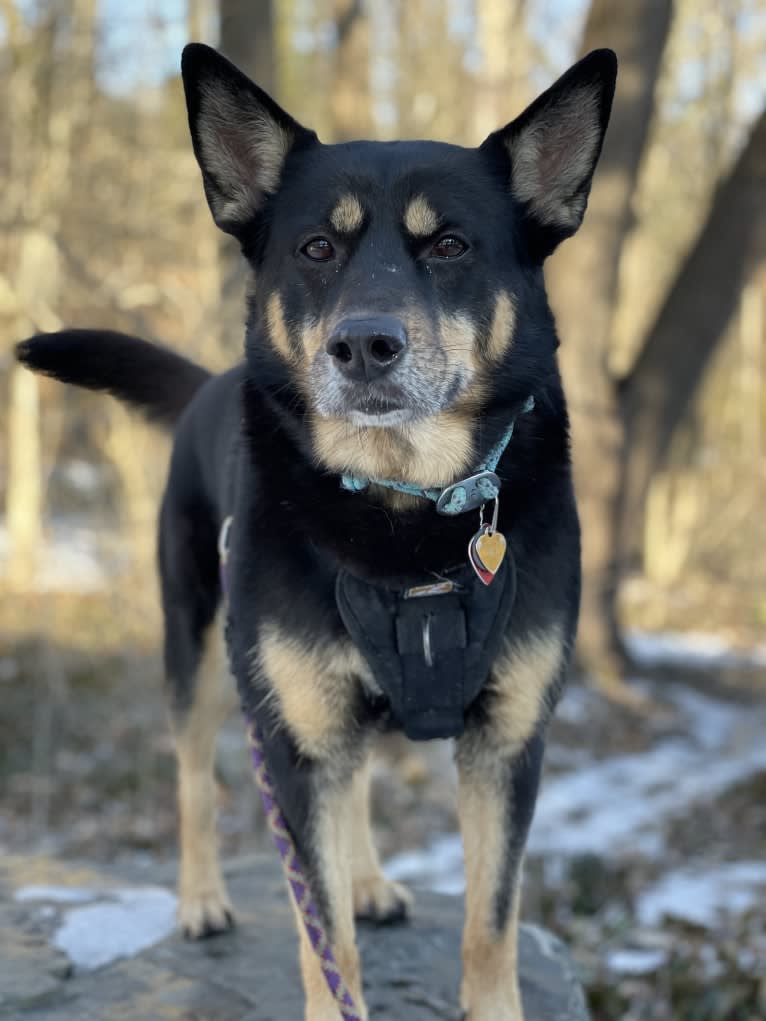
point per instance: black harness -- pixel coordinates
(430, 654)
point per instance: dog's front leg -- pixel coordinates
(332, 849)
(496, 796)
(499, 760)
(316, 798)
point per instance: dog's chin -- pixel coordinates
(381, 419)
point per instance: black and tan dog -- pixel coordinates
(398, 333)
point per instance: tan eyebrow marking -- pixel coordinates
(348, 215)
(420, 218)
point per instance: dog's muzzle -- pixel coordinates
(364, 350)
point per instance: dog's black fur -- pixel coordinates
(448, 244)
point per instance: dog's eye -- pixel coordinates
(448, 247)
(318, 249)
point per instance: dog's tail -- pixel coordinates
(151, 378)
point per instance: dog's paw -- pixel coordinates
(492, 1014)
(492, 1008)
(329, 1011)
(204, 915)
(380, 901)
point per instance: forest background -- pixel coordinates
(660, 302)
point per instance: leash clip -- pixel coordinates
(490, 528)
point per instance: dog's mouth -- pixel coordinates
(382, 407)
(379, 410)
(376, 405)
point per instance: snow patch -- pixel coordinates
(69, 560)
(117, 923)
(703, 895)
(57, 894)
(439, 867)
(619, 806)
(82, 475)
(576, 704)
(636, 962)
(690, 649)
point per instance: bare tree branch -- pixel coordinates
(346, 18)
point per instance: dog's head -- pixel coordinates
(398, 285)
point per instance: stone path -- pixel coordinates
(251, 974)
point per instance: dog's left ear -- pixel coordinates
(553, 149)
(241, 137)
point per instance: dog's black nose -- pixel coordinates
(365, 349)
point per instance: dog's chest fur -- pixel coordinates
(296, 529)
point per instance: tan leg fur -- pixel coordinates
(334, 836)
(204, 907)
(490, 990)
(520, 677)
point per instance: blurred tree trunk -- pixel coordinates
(588, 265)
(657, 394)
(198, 18)
(49, 100)
(23, 506)
(203, 329)
(432, 88)
(506, 61)
(350, 100)
(247, 37)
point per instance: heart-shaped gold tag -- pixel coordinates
(486, 552)
(490, 549)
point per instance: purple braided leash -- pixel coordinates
(296, 877)
(288, 852)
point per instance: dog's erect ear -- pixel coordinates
(241, 137)
(554, 147)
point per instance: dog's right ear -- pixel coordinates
(553, 148)
(241, 137)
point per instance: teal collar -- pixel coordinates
(463, 495)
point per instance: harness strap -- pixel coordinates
(431, 654)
